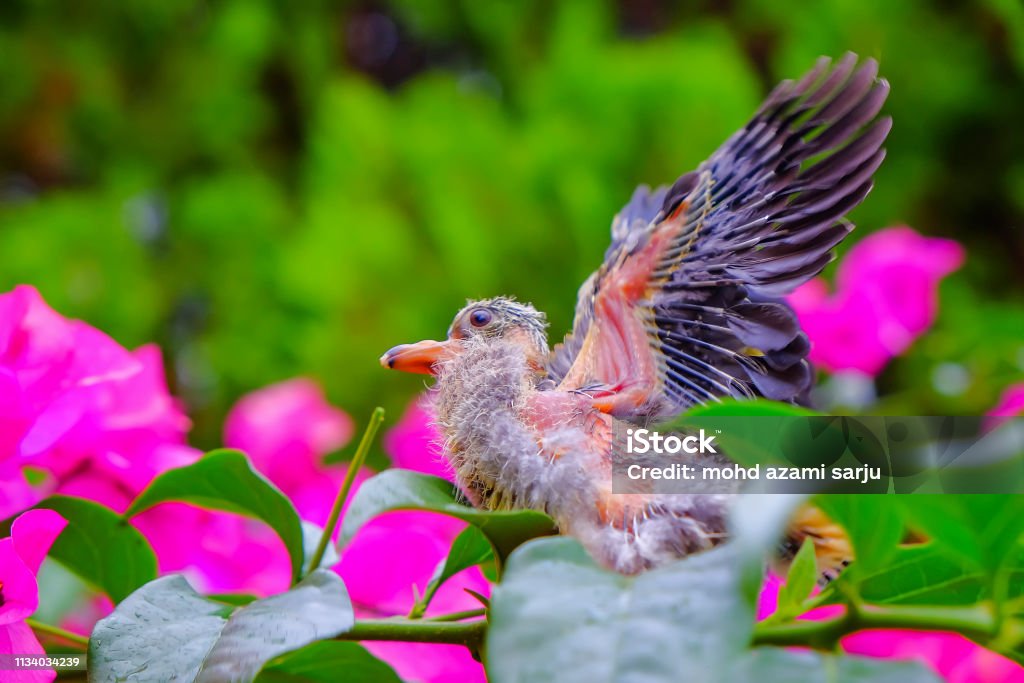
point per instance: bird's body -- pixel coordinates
(685, 309)
(516, 446)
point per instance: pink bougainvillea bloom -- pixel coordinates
(414, 443)
(768, 598)
(399, 550)
(1010, 404)
(286, 425)
(95, 419)
(843, 329)
(952, 656)
(76, 404)
(21, 554)
(220, 552)
(287, 429)
(54, 369)
(429, 662)
(904, 269)
(886, 296)
(132, 430)
(15, 493)
(100, 421)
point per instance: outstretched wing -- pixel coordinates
(686, 307)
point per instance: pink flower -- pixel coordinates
(951, 655)
(414, 443)
(220, 552)
(77, 404)
(429, 662)
(886, 296)
(1010, 404)
(100, 421)
(15, 493)
(132, 431)
(49, 367)
(287, 429)
(96, 418)
(400, 550)
(21, 553)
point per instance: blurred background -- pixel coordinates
(271, 189)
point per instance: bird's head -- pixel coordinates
(501, 318)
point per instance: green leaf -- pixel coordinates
(398, 489)
(923, 574)
(225, 480)
(772, 665)
(800, 581)
(759, 407)
(559, 617)
(469, 549)
(100, 547)
(328, 661)
(873, 523)
(166, 631)
(756, 438)
(982, 529)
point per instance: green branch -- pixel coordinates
(350, 476)
(459, 616)
(977, 622)
(470, 634)
(58, 632)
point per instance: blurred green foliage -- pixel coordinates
(270, 189)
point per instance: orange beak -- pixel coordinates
(419, 357)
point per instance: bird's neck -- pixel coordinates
(479, 395)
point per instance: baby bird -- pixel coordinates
(686, 309)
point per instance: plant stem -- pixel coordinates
(58, 632)
(350, 476)
(418, 631)
(976, 622)
(421, 603)
(459, 616)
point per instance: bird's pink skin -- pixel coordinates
(617, 349)
(548, 411)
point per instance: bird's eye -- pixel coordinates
(480, 317)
